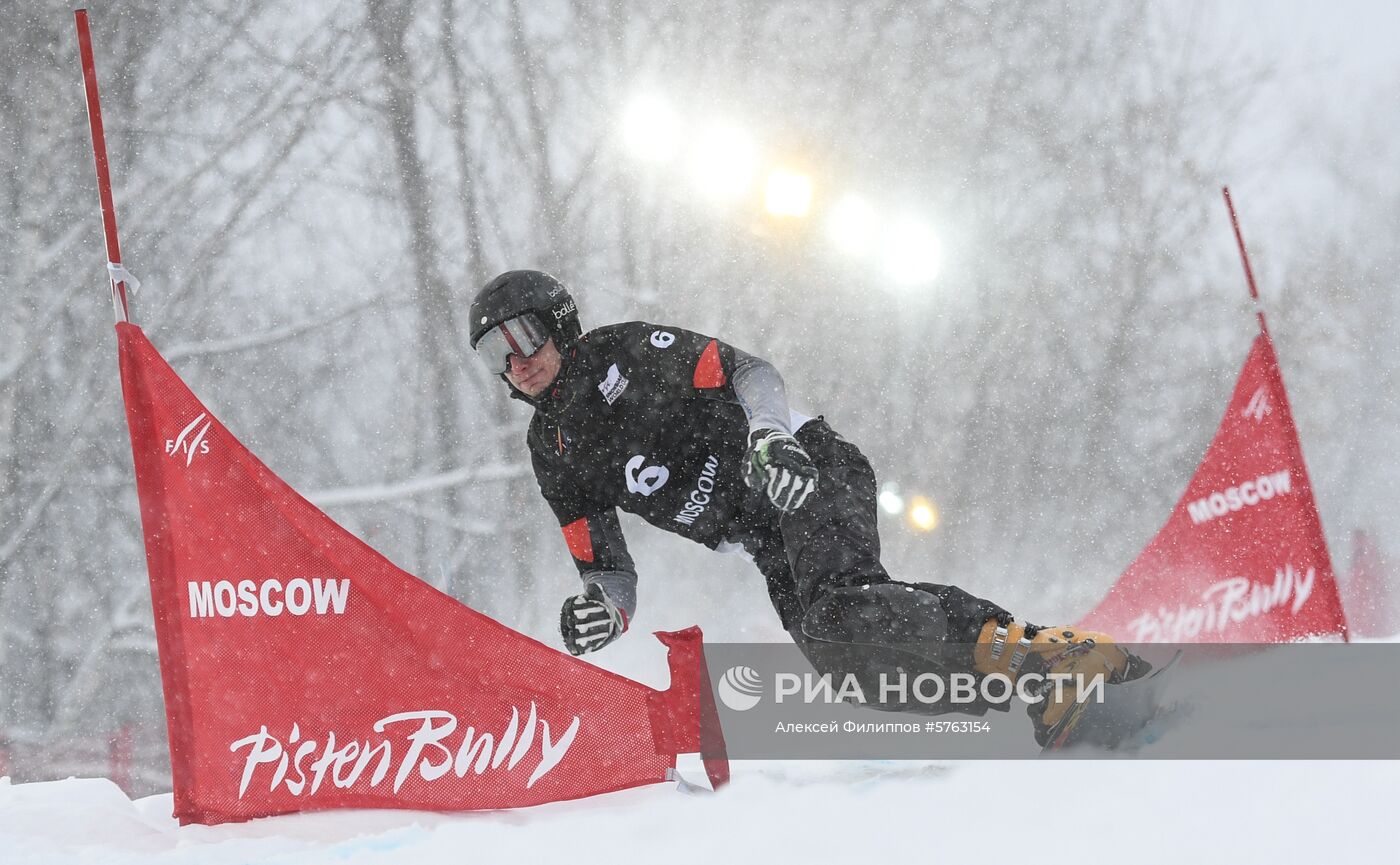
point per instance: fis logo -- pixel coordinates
(189, 442)
(1258, 406)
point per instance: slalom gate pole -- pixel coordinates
(116, 274)
(1244, 257)
(1320, 539)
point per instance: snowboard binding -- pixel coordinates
(1066, 662)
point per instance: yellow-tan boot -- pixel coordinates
(1013, 650)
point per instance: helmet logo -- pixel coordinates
(565, 309)
(483, 319)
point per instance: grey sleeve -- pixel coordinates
(619, 586)
(761, 392)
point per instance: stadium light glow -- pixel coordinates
(852, 224)
(651, 129)
(788, 193)
(891, 502)
(725, 163)
(923, 516)
(912, 253)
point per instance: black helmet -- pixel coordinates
(517, 292)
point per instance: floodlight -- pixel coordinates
(788, 193)
(912, 253)
(923, 515)
(651, 129)
(725, 161)
(852, 225)
(891, 502)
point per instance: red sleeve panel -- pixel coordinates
(579, 539)
(709, 372)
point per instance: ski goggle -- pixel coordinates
(522, 335)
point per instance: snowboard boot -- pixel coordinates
(1014, 650)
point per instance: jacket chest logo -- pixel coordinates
(612, 387)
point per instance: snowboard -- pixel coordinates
(1114, 724)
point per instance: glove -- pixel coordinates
(590, 621)
(776, 461)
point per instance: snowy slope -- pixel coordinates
(1127, 812)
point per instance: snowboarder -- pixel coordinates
(696, 437)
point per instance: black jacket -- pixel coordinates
(645, 418)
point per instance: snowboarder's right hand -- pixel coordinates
(777, 463)
(590, 621)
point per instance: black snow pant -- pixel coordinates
(839, 604)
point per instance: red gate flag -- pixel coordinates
(304, 671)
(1242, 559)
(1370, 603)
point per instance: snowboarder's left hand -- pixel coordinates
(777, 463)
(590, 621)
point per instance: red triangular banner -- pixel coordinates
(1370, 603)
(304, 671)
(1243, 558)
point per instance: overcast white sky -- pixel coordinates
(1359, 34)
(1338, 66)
